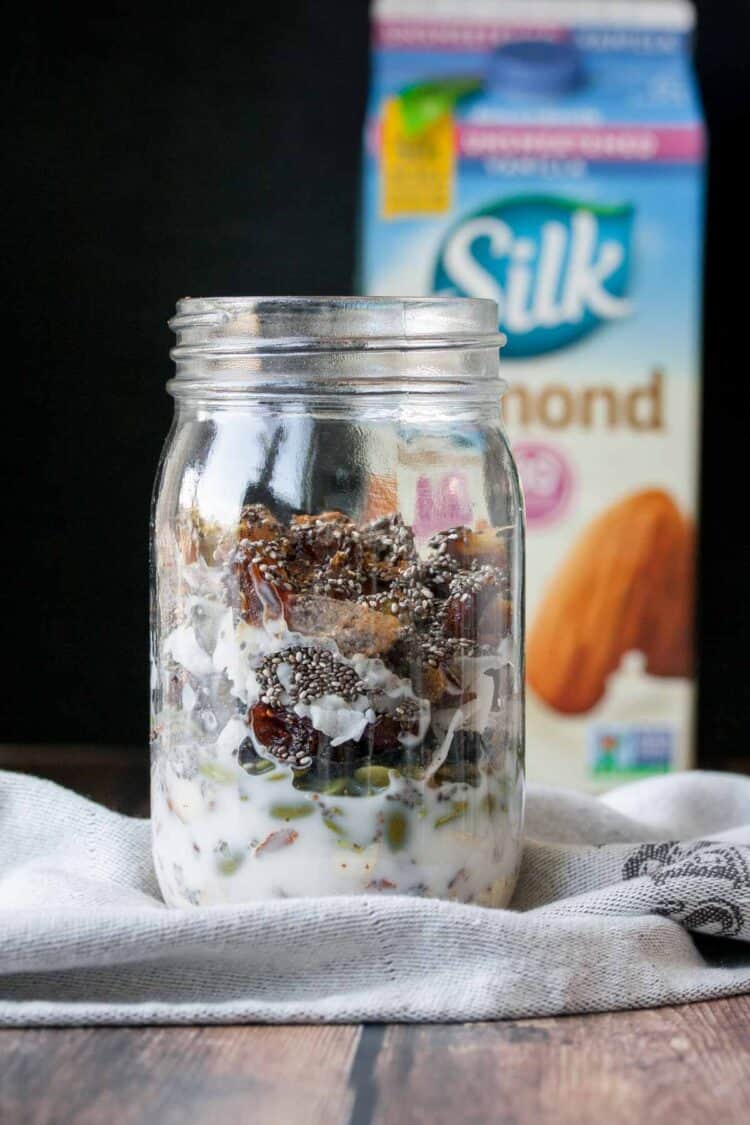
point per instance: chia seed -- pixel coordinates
(317, 672)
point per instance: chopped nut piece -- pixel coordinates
(257, 523)
(355, 628)
(467, 546)
(330, 516)
(201, 538)
(436, 685)
(275, 841)
(495, 620)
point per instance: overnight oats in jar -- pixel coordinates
(337, 607)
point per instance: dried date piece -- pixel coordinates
(388, 545)
(384, 734)
(322, 536)
(322, 555)
(409, 599)
(476, 608)
(437, 573)
(261, 598)
(288, 737)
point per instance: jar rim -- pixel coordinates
(222, 326)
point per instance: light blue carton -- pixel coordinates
(550, 155)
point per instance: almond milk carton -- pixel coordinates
(550, 155)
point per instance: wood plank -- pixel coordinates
(670, 1065)
(685, 1065)
(168, 1076)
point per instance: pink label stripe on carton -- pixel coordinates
(619, 143)
(457, 35)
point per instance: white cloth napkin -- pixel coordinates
(609, 892)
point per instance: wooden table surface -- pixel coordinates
(687, 1064)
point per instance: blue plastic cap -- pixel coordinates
(536, 67)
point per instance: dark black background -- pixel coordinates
(216, 150)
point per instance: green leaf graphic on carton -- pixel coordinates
(424, 103)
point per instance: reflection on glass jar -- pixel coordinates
(337, 611)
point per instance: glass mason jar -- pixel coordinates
(337, 613)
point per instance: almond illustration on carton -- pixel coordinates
(626, 585)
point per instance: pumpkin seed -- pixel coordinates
(260, 765)
(372, 777)
(214, 772)
(396, 830)
(336, 788)
(292, 812)
(488, 804)
(228, 864)
(455, 813)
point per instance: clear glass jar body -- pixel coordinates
(337, 609)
